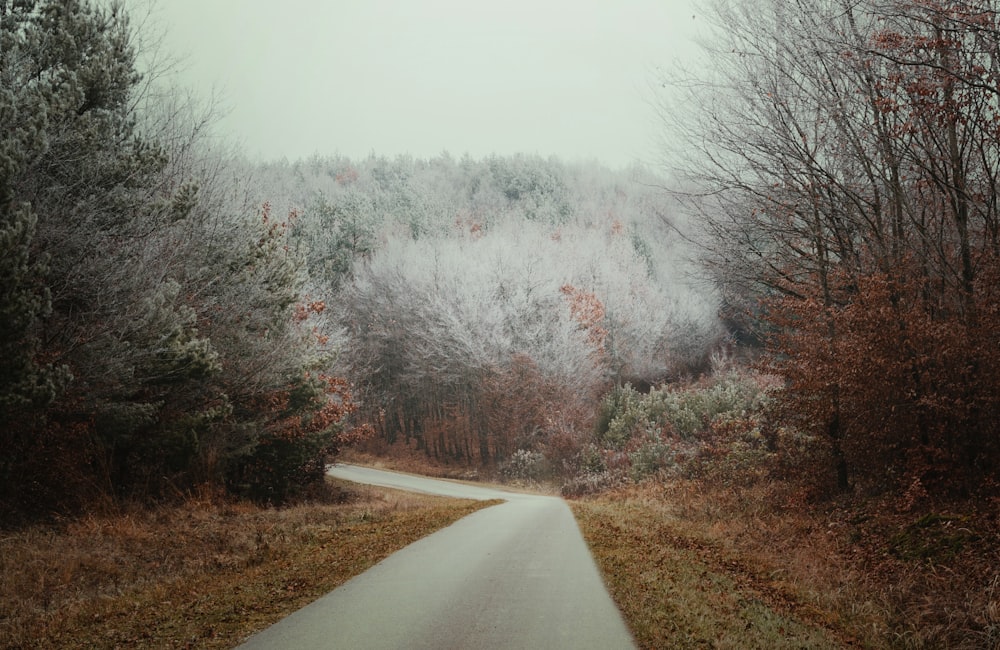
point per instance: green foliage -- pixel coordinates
(336, 235)
(643, 250)
(620, 412)
(653, 455)
(24, 381)
(177, 353)
(144, 321)
(591, 460)
(25, 299)
(280, 468)
(688, 413)
(713, 425)
(288, 457)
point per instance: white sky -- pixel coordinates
(550, 77)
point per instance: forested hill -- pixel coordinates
(452, 278)
(172, 316)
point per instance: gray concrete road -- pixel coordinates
(515, 575)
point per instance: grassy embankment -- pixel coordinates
(692, 565)
(205, 574)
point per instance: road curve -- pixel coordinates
(515, 575)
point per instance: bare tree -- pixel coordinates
(840, 144)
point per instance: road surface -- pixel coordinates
(515, 575)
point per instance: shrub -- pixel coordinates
(289, 458)
(687, 413)
(525, 465)
(281, 467)
(622, 410)
(718, 427)
(652, 456)
(591, 460)
(690, 412)
(592, 483)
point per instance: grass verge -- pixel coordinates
(204, 574)
(677, 592)
(694, 564)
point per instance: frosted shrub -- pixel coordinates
(524, 465)
(622, 411)
(592, 483)
(597, 470)
(683, 411)
(690, 412)
(655, 454)
(591, 460)
(687, 413)
(714, 425)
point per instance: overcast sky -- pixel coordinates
(550, 77)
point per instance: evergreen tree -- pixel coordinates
(110, 362)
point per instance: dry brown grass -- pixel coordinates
(695, 565)
(204, 574)
(680, 588)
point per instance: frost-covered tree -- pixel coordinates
(434, 324)
(463, 281)
(152, 327)
(70, 179)
(338, 234)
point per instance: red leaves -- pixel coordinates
(306, 309)
(347, 176)
(937, 59)
(587, 309)
(329, 411)
(467, 224)
(914, 385)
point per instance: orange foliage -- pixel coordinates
(508, 407)
(347, 177)
(587, 309)
(469, 225)
(304, 310)
(904, 383)
(521, 406)
(332, 409)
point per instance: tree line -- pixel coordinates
(844, 157)
(486, 305)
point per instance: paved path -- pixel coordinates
(515, 575)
